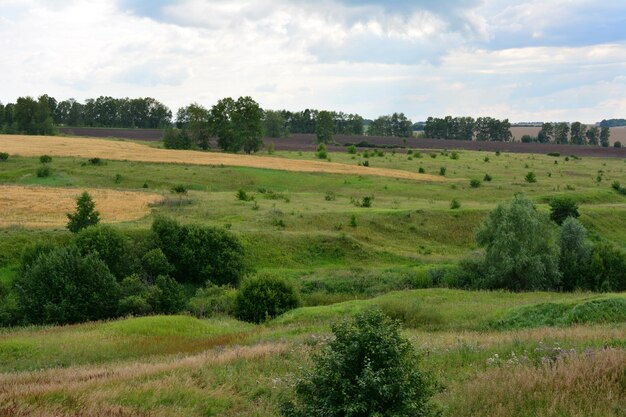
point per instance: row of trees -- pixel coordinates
(27, 116)
(525, 251)
(468, 128)
(281, 123)
(575, 134)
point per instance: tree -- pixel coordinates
(63, 286)
(561, 208)
(24, 114)
(578, 133)
(367, 369)
(248, 124)
(575, 254)
(325, 127)
(605, 133)
(265, 297)
(275, 124)
(109, 244)
(520, 248)
(197, 122)
(546, 134)
(593, 135)
(200, 254)
(176, 139)
(85, 214)
(561, 131)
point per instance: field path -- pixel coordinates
(129, 151)
(47, 206)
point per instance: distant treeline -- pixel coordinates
(468, 128)
(40, 116)
(613, 123)
(575, 134)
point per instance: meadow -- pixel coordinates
(494, 353)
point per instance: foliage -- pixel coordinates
(177, 139)
(85, 214)
(607, 269)
(520, 249)
(487, 178)
(352, 149)
(324, 127)
(367, 369)
(563, 207)
(43, 171)
(200, 254)
(396, 124)
(474, 183)
(530, 177)
(213, 300)
(455, 204)
(45, 159)
(109, 245)
(265, 297)
(575, 254)
(442, 171)
(4, 156)
(63, 286)
(242, 195)
(275, 124)
(321, 151)
(155, 263)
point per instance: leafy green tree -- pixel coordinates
(575, 254)
(265, 297)
(177, 139)
(367, 369)
(521, 253)
(155, 263)
(248, 124)
(109, 244)
(200, 254)
(605, 134)
(593, 135)
(63, 286)
(197, 122)
(275, 124)
(25, 110)
(546, 134)
(563, 207)
(561, 132)
(324, 127)
(85, 214)
(607, 268)
(577, 133)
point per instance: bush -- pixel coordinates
(474, 183)
(520, 248)
(454, 155)
(177, 139)
(213, 300)
(575, 254)
(43, 171)
(95, 161)
(421, 170)
(154, 263)
(487, 178)
(352, 149)
(321, 151)
(617, 144)
(265, 297)
(3, 156)
(455, 204)
(200, 254)
(85, 214)
(330, 196)
(530, 177)
(607, 269)
(63, 286)
(171, 298)
(367, 369)
(554, 154)
(616, 185)
(442, 171)
(108, 244)
(561, 208)
(45, 159)
(243, 196)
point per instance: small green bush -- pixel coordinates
(530, 177)
(474, 183)
(617, 144)
(486, 159)
(352, 149)
(213, 300)
(242, 195)
(421, 170)
(95, 161)
(554, 154)
(366, 369)
(43, 171)
(616, 185)
(454, 155)
(265, 297)
(455, 204)
(3, 156)
(321, 151)
(45, 159)
(442, 171)
(330, 196)
(487, 178)
(563, 207)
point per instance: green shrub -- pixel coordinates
(530, 177)
(43, 171)
(442, 171)
(352, 149)
(563, 207)
(487, 178)
(330, 196)
(155, 263)
(134, 305)
(63, 286)
(575, 255)
(200, 254)
(3, 156)
(95, 161)
(616, 185)
(85, 214)
(177, 139)
(474, 183)
(455, 204)
(180, 189)
(365, 163)
(108, 244)
(617, 144)
(454, 155)
(265, 297)
(243, 196)
(486, 159)
(171, 298)
(45, 159)
(353, 221)
(555, 154)
(367, 369)
(213, 300)
(421, 170)
(321, 151)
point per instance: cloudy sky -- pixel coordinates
(526, 60)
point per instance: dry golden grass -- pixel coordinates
(92, 391)
(128, 151)
(47, 207)
(585, 385)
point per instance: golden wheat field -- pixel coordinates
(128, 151)
(47, 207)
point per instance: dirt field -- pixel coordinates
(47, 206)
(117, 150)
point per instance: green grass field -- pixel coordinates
(494, 353)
